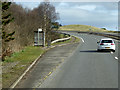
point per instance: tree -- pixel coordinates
(47, 15)
(25, 23)
(104, 28)
(6, 19)
(56, 25)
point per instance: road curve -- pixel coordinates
(86, 68)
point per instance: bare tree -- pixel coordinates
(27, 21)
(47, 15)
(6, 36)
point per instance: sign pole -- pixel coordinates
(44, 39)
(38, 38)
(39, 30)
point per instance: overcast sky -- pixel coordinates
(98, 14)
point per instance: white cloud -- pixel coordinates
(65, 0)
(103, 14)
(98, 15)
(86, 7)
(63, 4)
(114, 13)
(29, 5)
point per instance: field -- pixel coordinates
(18, 62)
(82, 28)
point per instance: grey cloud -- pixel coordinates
(102, 16)
(100, 5)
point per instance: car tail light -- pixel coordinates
(101, 44)
(112, 43)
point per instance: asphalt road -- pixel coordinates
(86, 68)
(46, 65)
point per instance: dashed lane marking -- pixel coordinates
(116, 58)
(49, 73)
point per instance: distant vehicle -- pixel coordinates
(106, 44)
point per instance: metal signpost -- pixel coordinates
(39, 30)
(44, 39)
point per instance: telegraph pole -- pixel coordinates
(45, 25)
(44, 32)
(45, 21)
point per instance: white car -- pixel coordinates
(106, 44)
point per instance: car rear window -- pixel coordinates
(106, 41)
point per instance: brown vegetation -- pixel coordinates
(26, 22)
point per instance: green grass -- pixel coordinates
(28, 54)
(77, 39)
(25, 58)
(81, 28)
(114, 31)
(67, 41)
(62, 42)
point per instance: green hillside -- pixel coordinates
(81, 28)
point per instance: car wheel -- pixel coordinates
(113, 50)
(98, 50)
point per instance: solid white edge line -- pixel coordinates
(82, 39)
(79, 37)
(18, 80)
(116, 58)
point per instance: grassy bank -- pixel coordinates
(77, 39)
(114, 31)
(71, 40)
(15, 65)
(81, 28)
(62, 42)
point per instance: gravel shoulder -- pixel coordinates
(46, 65)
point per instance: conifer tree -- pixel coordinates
(6, 19)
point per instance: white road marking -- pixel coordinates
(116, 58)
(82, 39)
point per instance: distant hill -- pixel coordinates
(81, 28)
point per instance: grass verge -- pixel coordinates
(86, 28)
(71, 40)
(62, 42)
(15, 65)
(77, 39)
